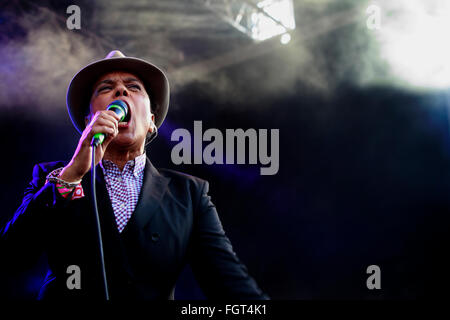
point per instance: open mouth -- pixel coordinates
(125, 122)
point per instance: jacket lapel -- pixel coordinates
(153, 189)
(105, 209)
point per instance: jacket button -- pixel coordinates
(155, 236)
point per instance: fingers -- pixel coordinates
(105, 115)
(111, 113)
(104, 126)
(105, 122)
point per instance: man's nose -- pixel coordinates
(121, 90)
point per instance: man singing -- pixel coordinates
(153, 222)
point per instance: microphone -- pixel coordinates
(120, 108)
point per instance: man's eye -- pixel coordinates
(103, 88)
(135, 86)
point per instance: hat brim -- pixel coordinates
(80, 88)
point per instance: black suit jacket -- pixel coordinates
(174, 223)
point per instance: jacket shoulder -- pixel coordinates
(52, 165)
(185, 188)
(45, 168)
(184, 181)
(178, 176)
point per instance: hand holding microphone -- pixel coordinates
(101, 130)
(118, 107)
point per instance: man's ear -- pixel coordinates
(152, 123)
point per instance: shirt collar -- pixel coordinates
(136, 165)
(139, 164)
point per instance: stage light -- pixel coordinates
(285, 38)
(277, 18)
(260, 20)
(414, 41)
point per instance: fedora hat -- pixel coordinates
(80, 88)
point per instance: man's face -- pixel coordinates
(129, 88)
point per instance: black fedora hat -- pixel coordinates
(80, 88)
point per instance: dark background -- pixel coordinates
(363, 176)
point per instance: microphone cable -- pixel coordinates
(121, 108)
(99, 232)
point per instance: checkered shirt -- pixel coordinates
(124, 187)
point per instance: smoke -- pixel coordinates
(37, 67)
(413, 41)
(330, 47)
